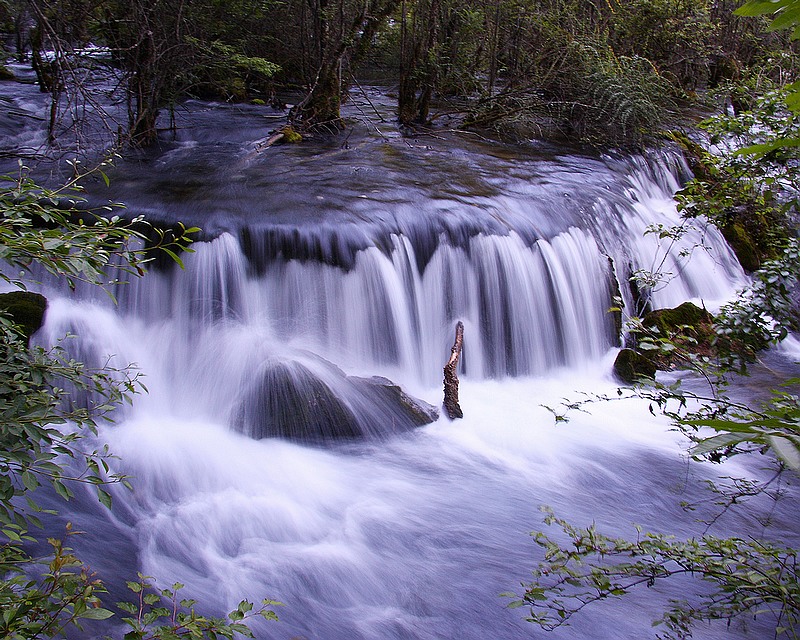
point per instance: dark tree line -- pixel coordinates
(591, 69)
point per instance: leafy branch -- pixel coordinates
(745, 577)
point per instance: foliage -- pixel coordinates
(745, 577)
(43, 431)
(785, 15)
(775, 426)
(160, 614)
(48, 228)
(749, 188)
(67, 594)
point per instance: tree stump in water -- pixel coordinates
(451, 405)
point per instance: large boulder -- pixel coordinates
(26, 310)
(313, 401)
(289, 400)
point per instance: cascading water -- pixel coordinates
(372, 526)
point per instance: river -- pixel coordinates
(328, 262)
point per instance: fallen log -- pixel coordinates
(263, 144)
(451, 406)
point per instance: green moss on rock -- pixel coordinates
(743, 245)
(6, 73)
(290, 135)
(631, 366)
(686, 318)
(687, 327)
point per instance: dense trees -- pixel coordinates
(593, 70)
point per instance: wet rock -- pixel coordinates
(315, 402)
(290, 401)
(631, 366)
(417, 411)
(26, 310)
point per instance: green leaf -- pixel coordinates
(62, 489)
(104, 497)
(717, 442)
(786, 450)
(96, 614)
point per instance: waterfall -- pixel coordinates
(276, 335)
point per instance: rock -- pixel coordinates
(6, 73)
(743, 245)
(417, 411)
(688, 327)
(26, 310)
(289, 400)
(686, 318)
(315, 402)
(631, 366)
(290, 135)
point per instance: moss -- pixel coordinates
(631, 366)
(688, 327)
(258, 102)
(26, 310)
(696, 156)
(743, 246)
(6, 74)
(686, 318)
(290, 135)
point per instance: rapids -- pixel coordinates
(355, 260)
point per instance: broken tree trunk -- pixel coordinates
(451, 405)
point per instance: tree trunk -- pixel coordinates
(451, 405)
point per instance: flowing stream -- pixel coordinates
(324, 265)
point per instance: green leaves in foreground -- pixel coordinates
(741, 577)
(66, 594)
(776, 427)
(159, 613)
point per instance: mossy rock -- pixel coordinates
(631, 366)
(26, 310)
(696, 156)
(687, 317)
(258, 102)
(688, 327)
(6, 73)
(743, 245)
(290, 135)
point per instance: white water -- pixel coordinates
(409, 535)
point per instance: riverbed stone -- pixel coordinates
(26, 309)
(631, 366)
(316, 402)
(417, 411)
